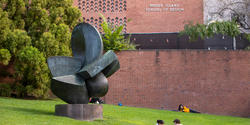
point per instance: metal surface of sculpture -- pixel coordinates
(76, 79)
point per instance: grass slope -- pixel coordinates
(37, 112)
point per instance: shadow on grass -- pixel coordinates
(27, 110)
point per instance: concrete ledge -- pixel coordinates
(85, 112)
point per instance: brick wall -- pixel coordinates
(167, 18)
(143, 21)
(214, 82)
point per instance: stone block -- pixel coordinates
(84, 112)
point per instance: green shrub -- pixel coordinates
(5, 56)
(17, 40)
(5, 25)
(113, 38)
(48, 44)
(5, 89)
(18, 90)
(247, 36)
(30, 31)
(32, 72)
(228, 28)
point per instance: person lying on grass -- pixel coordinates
(182, 108)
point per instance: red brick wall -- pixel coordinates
(214, 82)
(142, 20)
(163, 21)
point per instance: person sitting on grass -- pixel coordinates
(160, 122)
(96, 100)
(182, 108)
(177, 122)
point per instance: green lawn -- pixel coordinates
(37, 112)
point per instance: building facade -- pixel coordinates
(146, 16)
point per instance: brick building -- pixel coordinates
(147, 16)
(214, 82)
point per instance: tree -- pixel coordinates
(227, 10)
(31, 31)
(226, 17)
(194, 31)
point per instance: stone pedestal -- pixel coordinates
(85, 112)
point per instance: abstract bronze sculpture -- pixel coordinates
(76, 79)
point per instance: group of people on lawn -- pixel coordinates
(161, 122)
(181, 108)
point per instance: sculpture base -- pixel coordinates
(85, 112)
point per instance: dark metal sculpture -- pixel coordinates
(76, 79)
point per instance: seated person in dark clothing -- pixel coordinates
(96, 100)
(160, 122)
(182, 108)
(177, 122)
